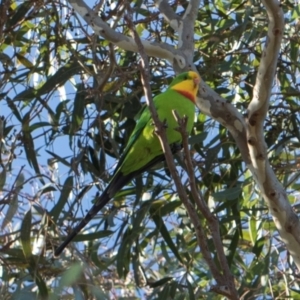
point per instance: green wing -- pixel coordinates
(145, 116)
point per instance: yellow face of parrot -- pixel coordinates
(187, 84)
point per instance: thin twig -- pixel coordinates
(227, 280)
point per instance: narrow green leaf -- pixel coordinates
(38, 125)
(29, 146)
(78, 109)
(41, 284)
(60, 77)
(92, 236)
(211, 156)
(233, 247)
(102, 161)
(25, 235)
(252, 229)
(191, 291)
(71, 276)
(67, 188)
(164, 232)
(159, 282)
(24, 61)
(165, 293)
(123, 256)
(40, 210)
(2, 178)
(13, 205)
(12, 209)
(138, 272)
(14, 109)
(228, 194)
(47, 188)
(165, 253)
(28, 94)
(198, 138)
(94, 158)
(258, 246)
(7, 129)
(169, 207)
(60, 159)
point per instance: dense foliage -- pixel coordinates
(68, 104)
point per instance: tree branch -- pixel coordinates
(168, 13)
(186, 31)
(225, 281)
(161, 50)
(213, 105)
(272, 190)
(249, 135)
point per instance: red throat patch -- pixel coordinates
(187, 95)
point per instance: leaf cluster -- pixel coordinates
(68, 105)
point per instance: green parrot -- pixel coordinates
(143, 150)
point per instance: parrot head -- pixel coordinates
(186, 84)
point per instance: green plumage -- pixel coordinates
(143, 144)
(143, 149)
